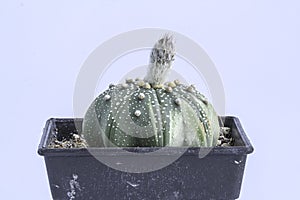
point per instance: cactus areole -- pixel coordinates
(152, 112)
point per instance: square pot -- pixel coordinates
(195, 173)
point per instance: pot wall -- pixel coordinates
(76, 174)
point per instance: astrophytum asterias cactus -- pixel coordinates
(151, 112)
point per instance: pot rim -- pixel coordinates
(245, 148)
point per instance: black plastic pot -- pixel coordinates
(76, 174)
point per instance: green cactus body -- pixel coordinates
(152, 113)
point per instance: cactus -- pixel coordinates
(151, 112)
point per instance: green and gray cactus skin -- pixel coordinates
(152, 112)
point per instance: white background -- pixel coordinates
(255, 45)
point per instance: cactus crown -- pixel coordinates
(151, 112)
